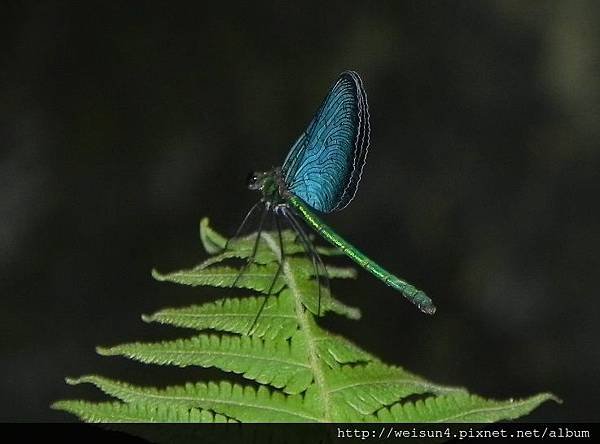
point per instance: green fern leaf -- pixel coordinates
(114, 412)
(300, 371)
(306, 268)
(255, 277)
(336, 350)
(244, 247)
(362, 389)
(245, 404)
(277, 319)
(281, 364)
(460, 407)
(212, 241)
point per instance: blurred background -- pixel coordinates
(123, 124)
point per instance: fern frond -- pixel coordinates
(245, 404)
(214, 243)
(243, 248)
(306, 268)
(277, 319)
(362, 389)
(336, 350)
(281, 364)
(300, 371)
(460, 407)
(115, 412)
(255, 277)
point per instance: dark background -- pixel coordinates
(122, 125)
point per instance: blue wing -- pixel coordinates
(324, 166)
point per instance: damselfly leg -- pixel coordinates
(250, 258)
(277, 273)
(311, 252)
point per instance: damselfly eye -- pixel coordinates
(252, 181)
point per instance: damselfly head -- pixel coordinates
(265, 181)
(255, 180)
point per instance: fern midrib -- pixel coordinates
(303, 321)
(434, 388)
(224, 272)
(224, 315)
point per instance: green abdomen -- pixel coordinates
(417, 297)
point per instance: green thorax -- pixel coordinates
(271, 184)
